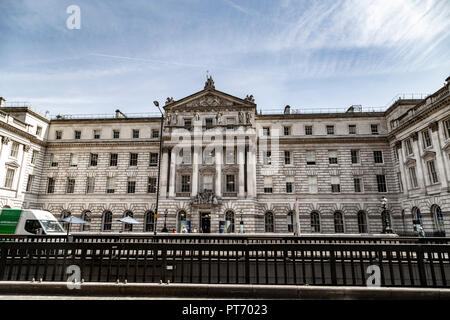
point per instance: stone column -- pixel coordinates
(195, 162)
(241, 162)
(173, 162)
(403, 173)
(419, 163)
(218, 160)
(440, 164)
(251, 171)
(164, 167)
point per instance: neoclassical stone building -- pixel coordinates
(223, 162)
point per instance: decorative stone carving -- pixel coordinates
(206, 197)
(250, 98)
(398, 144)
(169, 100)
(209, 84)
(434, 126)
(26, 148)
(241, 117)
(196, 116)
(5, 140)
(414, 136)
(219, 117)
(168, 118)
(249, 118)
(175, 118)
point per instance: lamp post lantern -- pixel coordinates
(156, 103)
(164, 229)
(384, 216)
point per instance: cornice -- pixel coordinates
(19, 132)
(327, 139)
(117, 143)
(319, 115)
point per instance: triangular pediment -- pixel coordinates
(209, 98)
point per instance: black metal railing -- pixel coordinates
(405, 265)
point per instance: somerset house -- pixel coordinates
(225, 164)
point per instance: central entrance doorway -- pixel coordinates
(205, 222)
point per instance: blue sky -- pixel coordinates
(308, 54)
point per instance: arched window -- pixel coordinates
(362, 222)
(65, 214)
(416, 214)
(438, 218)
(315, 222)
(386, 219)
(290, 221)
(107, 221)
(86, 216)
(338, 222)
(229, 221)
(149, 221)
(181, 220)
(128, 226)
(268, 221)
(7, 207)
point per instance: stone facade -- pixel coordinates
(222, 160)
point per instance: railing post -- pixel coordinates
(2, 262)
(333, 267)
(247, 265)
(164, 264)
(421, 266)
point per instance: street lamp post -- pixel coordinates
(164, 229)
(386, 223)
(156, 103)
(241, 225)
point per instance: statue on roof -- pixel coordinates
(169, 100)
(209, 84)
(249, 98)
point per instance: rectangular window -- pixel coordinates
(355, 156)
(231, 121)
(268, 186)
(352, 129)
(186, 156)
(378, 156)
(310, 158)
(151, 185)
(96, 134)
(409, 148)
(209, 157)
(38, 131)
(51, 185)
(113, 159)
(110, 184)
(289, 184)
(90, 185)
(312, 184)
(77, 135)
(413, 177)
(58, 135)
(187, 122)
(208, 182)
(332, 157)
(287, 157)
(266, 131)
(34, 155)
(73, 160)
(381, 182)
(432, 174)
(155, 133)
(9, 178)
(135, 133)
(308, 130)
(330, 129)
(357, 184)
(53, 160)
(287, 131)
(30, 182)
(268, 158)
(131, 186)
(447, 128)
(374, 128)
(426, 139)
(133, 159)
(185, 183)
(209, 122)
(116, 134)
(231, 187)
(14, 150)
(94, 159)
(153, 159)
(70, 187)
(335, 184)
(230, 156)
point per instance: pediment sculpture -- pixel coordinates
(169, 100)
(205, 197)
(250, 98)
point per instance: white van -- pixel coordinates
(29, 222)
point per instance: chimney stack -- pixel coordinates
(1, 101)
